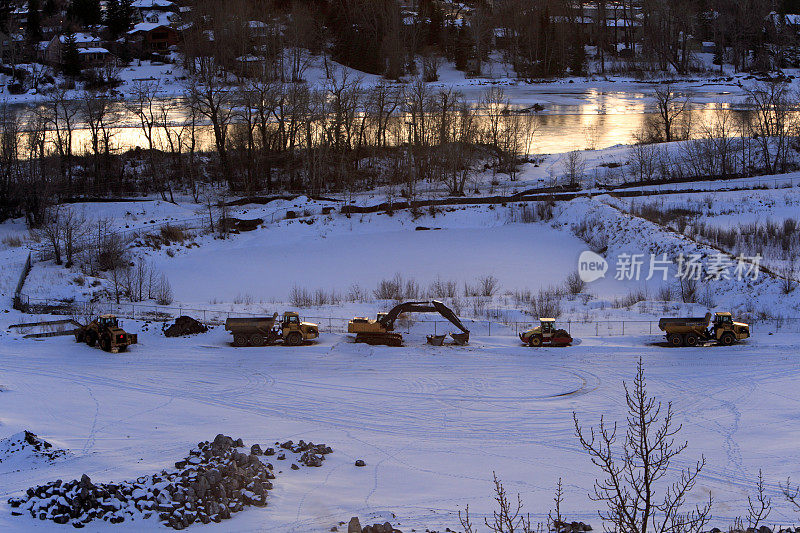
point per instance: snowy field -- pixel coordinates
(431, 423)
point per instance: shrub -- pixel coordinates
(630, 299)
(171, 234)
(440, 288)
(356, 293)
(390, 289)
(12, 241)
(163, 294)
(487, 286)
(574, 284)
(546, 304)
(300, 297)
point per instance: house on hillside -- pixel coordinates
(94, 56)
(12, 47)
(152, 37)
(52, 53)
(788, 22)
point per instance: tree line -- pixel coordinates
(255, 135)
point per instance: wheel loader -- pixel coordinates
(107, 331)
(265, 331)
(546, 334)
(381, 330)
(692, 331)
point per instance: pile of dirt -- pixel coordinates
(185, 325)
(214, 481)
(237, 225)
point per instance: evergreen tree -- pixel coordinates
(119, 16)
(50, 8)
(85, 12)
(33, 30)
(70, 58)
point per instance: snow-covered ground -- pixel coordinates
(432, 424)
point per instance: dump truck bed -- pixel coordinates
(250, 324)
(684, 323)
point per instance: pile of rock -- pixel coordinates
(355, 527)
(185, 325)
(25, 448)
(571, 527)
(213, 482)
(312, 454)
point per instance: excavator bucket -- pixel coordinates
(460, 338)
(436, 340)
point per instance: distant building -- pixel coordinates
(153, 37)
(54, 50)
(12, 47)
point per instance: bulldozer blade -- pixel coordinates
(460, 338)
(436, 340)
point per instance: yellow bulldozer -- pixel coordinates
(107, 331)
(381, 330)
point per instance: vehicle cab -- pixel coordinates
(108, 321)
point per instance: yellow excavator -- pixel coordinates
(381, 330)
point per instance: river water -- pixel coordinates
(570, 120)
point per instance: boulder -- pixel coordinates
(354, 526)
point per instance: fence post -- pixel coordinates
(330, 325)
(490, 328)
(623, 327)
(597, 329)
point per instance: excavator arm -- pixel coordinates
(431, 306)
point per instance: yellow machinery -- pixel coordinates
(381, 330)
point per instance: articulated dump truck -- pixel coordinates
(267, 330)
(691, 331)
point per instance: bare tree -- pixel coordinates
(211, 96)
(759, 508)
(61, 112)
(773, 123)
(555, 520)
(52, 232)
(143, 105)
(630, 489)
(671, 109)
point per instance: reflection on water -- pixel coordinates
(578, 120)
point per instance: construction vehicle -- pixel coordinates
(690, 331)
(107, 331)
(381, 330)
(267, 330)
(546, 334)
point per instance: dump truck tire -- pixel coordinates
(91, 338)
(123, 348)
(690, 340)
(294, 339)
(257, 340)
(674, 340)
(79, 336)
(106, 344)
(240, 339)
(534, 341)
(727, 339)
